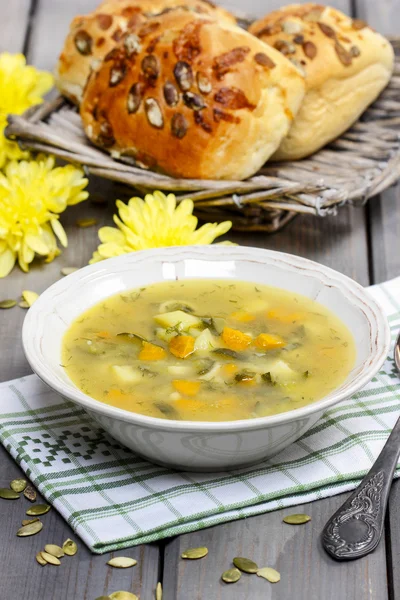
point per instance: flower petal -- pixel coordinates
(208, 232)
(37, 244)
(59, 231)
(110, 250)
(95, 258)
(7, 262)
(111, 234)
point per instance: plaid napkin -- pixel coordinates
(114, 499)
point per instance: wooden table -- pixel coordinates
(362, 243)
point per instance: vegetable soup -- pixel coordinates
(208, 350)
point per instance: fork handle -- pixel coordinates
(356, 528)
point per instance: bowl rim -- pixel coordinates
(179, 253)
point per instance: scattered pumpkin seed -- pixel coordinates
(159, 591)
(7, 494)
(269, 574)
(49, 558)
(195, 553)
(298, 519)
(38, 509)
(123, 596)
(68, 270)
(7, 303)
(69, 547)
(54, 550)
(18, 485)
(122, 562)
(31, 529)
(86, 222)
(29, 297)
(103, 598)
(29, 521)
(231, 576)
(40, 559)
(30, 493)
(245, 564)
(23, 304)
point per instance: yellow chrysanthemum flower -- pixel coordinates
(21, 87)
(154, 222)
(32, 195)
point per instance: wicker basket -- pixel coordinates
(361, 163)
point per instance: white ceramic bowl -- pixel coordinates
(203, 445)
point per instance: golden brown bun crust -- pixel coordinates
(92, 36)
(206, 101)
(346, 64)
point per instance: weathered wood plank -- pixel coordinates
(14, 22)
(307, 572)
(384, 221)
(385, 228)
(52, 22)
(383, 16)
(339, 242)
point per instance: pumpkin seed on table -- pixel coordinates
(245, 564)
(68, 270)
(29, 521)
(23, 304)
(86, 222)
(40, 559)
(297, 519)
(38, 509)
(195, 553)
(103, 598)
(18, 485)
(269, 574)
(54, 550)
(31, 529)
(231, 575)
(29, 297)
(7, 303)
(159, 591)
(69, 547)
(30, 493)
(50, 559)
(122, 562)
(8, 494)
(123, 596)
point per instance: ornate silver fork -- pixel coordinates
(356, 528)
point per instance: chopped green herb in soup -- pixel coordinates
(208, 350)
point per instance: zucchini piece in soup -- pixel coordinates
(205, 341)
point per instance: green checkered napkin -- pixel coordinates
(114, 499)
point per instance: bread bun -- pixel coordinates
(91, 37)
(346, 64)
(205, 101)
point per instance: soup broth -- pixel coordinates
(208, 350)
